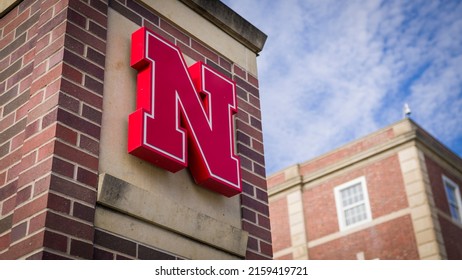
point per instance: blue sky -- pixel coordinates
(332, 71)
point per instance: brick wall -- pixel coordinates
(451, 231)
(391, 240)
(280, 224)
(385, 188)
(52, 162)
(53, 56)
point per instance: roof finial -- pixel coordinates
(407, 111)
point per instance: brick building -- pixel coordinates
(394, 194)
(68, 187)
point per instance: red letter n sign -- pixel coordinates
(184, 116)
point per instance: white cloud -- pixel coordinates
(332, 71)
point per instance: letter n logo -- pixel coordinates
(184, 116)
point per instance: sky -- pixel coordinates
(332, 71)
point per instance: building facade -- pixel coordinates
(394, 194)
(68, 187)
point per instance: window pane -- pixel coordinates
(355, 214)
(352, 195)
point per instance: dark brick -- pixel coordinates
(71, 189)
(68, 102)
(10, 70)
(66, 225)
(115, 243)
(218, 68)
(81, 249)
(24, 72)
(89, 12)
(144, 12)
(174, 32)
(89, 144)
(259, 169)
(145, 253)
(74, 45)
(204, 50)
(11, 47)
(225, 64)
(58, 203)
(6, 223)
(253, 179)
(254, 204)
(249, 215)
(13, 130)
(250, 153)
(99, 5)
(252, 244)
(96, 57)
(62, 167)
(81, 93)
(72, 154)
(243, 138)
(51, 256)
(72, 73)
(78, 123)
(83, 212)
(18, 232)
(94, 85)
(246, 86)
(8, 95)
(87, 177)
(55, 241)
(76, 18)
(100, 254)
(92, 114)
(255, 123)
(4, 149)
(257, 231)
(85, 37)
(83, 65)
(125, 12)
(249, 130)
(190, 52)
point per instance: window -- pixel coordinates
(352, 203)
(453, 195)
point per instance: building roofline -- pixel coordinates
(230, 22)
(404, 131)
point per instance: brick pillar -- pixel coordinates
(52, 209)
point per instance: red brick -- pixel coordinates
(254, 204)
(58, 203)
(81, 93)
(79, 123)
(253, 179)
(37, 222)
(41, 186)
(83, 212)
(85, 37)
(66, 134)
(239, 71)
(266, 248)
(30, 208)
(39, 139)
(81, 249)
(69, 226)
(204, 50)
(72, 154)
(253, 111)
(142, 11)
(23, 195)
(247, 129)
(55, 241)
(83, 65)
(46, 79)
(89, 145)
(87, 177)
(12, 25)
(8, 190)
(69, 188)
(226, 64)
(45, 151)
(252, 80)
(63, 167)
(174, 32)
(190, 52)
(18, 232)
(89, 12)
(26, 246)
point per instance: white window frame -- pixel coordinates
(341, 210)
(448, 183)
